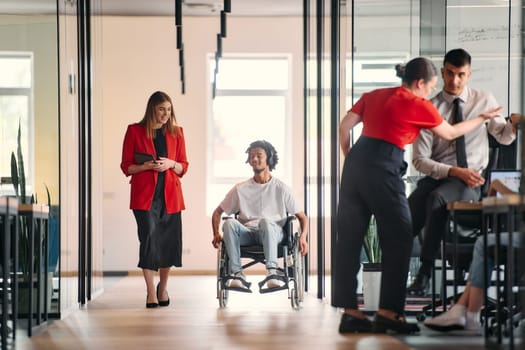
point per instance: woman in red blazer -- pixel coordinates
(154, 155)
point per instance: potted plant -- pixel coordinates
(26, 203)
(372, 267)
(18, 180)
(371, 243)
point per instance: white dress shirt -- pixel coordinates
(434, 156)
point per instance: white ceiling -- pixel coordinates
(162, 7)
(213, 7)
(203, 7)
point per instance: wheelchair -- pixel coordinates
(292, 268)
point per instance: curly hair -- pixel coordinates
(271, 154)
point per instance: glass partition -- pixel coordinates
(489, 30)
(371, 57)
(374, 36)
(29, 117)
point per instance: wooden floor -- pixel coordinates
(118, 319)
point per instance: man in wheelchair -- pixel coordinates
(261, 206)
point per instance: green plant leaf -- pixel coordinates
(21, 170)
(48, 196)
(14, 174)
(371, 243)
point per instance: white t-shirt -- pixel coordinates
(252, 201)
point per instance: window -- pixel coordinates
(16, 101)
(251, 103)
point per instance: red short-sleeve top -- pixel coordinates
(395, 115)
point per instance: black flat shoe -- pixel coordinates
(352, 324)
(162, 302)
(419, 286)
(383, 324)
(150, 305)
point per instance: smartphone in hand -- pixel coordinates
(141, 158)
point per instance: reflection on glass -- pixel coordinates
(375, 56)
(29, 94)
(484, 28)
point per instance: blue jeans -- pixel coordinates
(268, 234)
(476, 267)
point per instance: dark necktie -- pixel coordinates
(461, 153)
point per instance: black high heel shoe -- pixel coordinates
(162, 302)
(384, 324)
(150, 305)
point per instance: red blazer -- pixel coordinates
(143, 183)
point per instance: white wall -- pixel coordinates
(139, 56)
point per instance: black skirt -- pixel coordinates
(160, 234)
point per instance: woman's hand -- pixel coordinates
(138, 168)
(491, 113)
(162, 164)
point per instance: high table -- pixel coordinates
(502, 214)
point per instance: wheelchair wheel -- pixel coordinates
(293, 298)
(222, 271)
(223, 297)
(297, 290)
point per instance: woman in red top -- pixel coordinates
(372, 184)
(156, 193)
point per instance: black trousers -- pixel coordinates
(372, 183)
(428, 206)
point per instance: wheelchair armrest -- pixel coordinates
(232, 216)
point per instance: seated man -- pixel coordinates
(464, 315)
(453, 169)
(262, 204)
